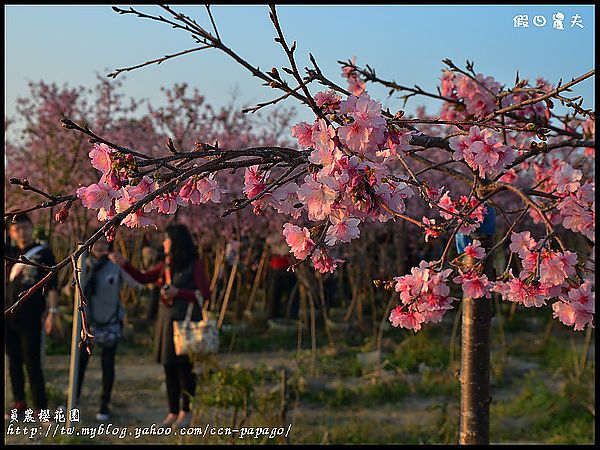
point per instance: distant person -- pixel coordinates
(104, 313)
(282, 283)
(23, 328)
(183, 279)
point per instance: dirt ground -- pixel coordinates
(139, 401)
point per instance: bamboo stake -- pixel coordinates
(219, 258)
(257, 278)
(228, 292)
(75, 336)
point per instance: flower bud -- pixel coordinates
(62, 215)
(110, 234)
(186, 190)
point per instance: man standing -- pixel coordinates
(23, 327)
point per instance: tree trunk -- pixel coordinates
(475, 363)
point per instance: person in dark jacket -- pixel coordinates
(23, 327)
(183, 279)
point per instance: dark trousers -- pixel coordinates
(153, 295)
(181, 382)
(281, 283)
(108, 372)
(23, 344)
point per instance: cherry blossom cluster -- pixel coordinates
(477, 96)
(117, 190)
(424, 295)
(548, 274)
(482, 151)
(350, 180)
(578, 205)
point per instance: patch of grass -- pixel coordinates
(438, 383)
(331, 397)
(541, 414)
(266, 340)
(342, 364)
(383, 392)
(366, 396)
(421, 348)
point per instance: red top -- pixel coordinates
(280, 262)
(155, 274)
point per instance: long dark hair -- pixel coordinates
(183, 250)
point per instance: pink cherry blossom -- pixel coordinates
(555, 267)
(100, 156)
(135, 219)
(578, 310)
(317, 197)
(342, 229)
(104, 215)
(474, 250)
(166, 203)
(323, 262)
(577, 217)
(567, 178)
(254, 181)
(355, 84)
(473, 285)
(143, 188)
(284, 200)
(521, 243)
(430, 231)
(303, 132)
(410, 320)
(328, 100)
(322, 136)
(482, 151)
(447, 204)
(299, 240)
(517, 291)
(355, 136)
(97, 195)
(199, 190)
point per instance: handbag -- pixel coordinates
(194, 337)
(107, 335)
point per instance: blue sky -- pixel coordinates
(70, 44)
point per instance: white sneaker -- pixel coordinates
(103, 415)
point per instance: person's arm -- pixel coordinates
(150, 276)
(201, 282)
(130, 281)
